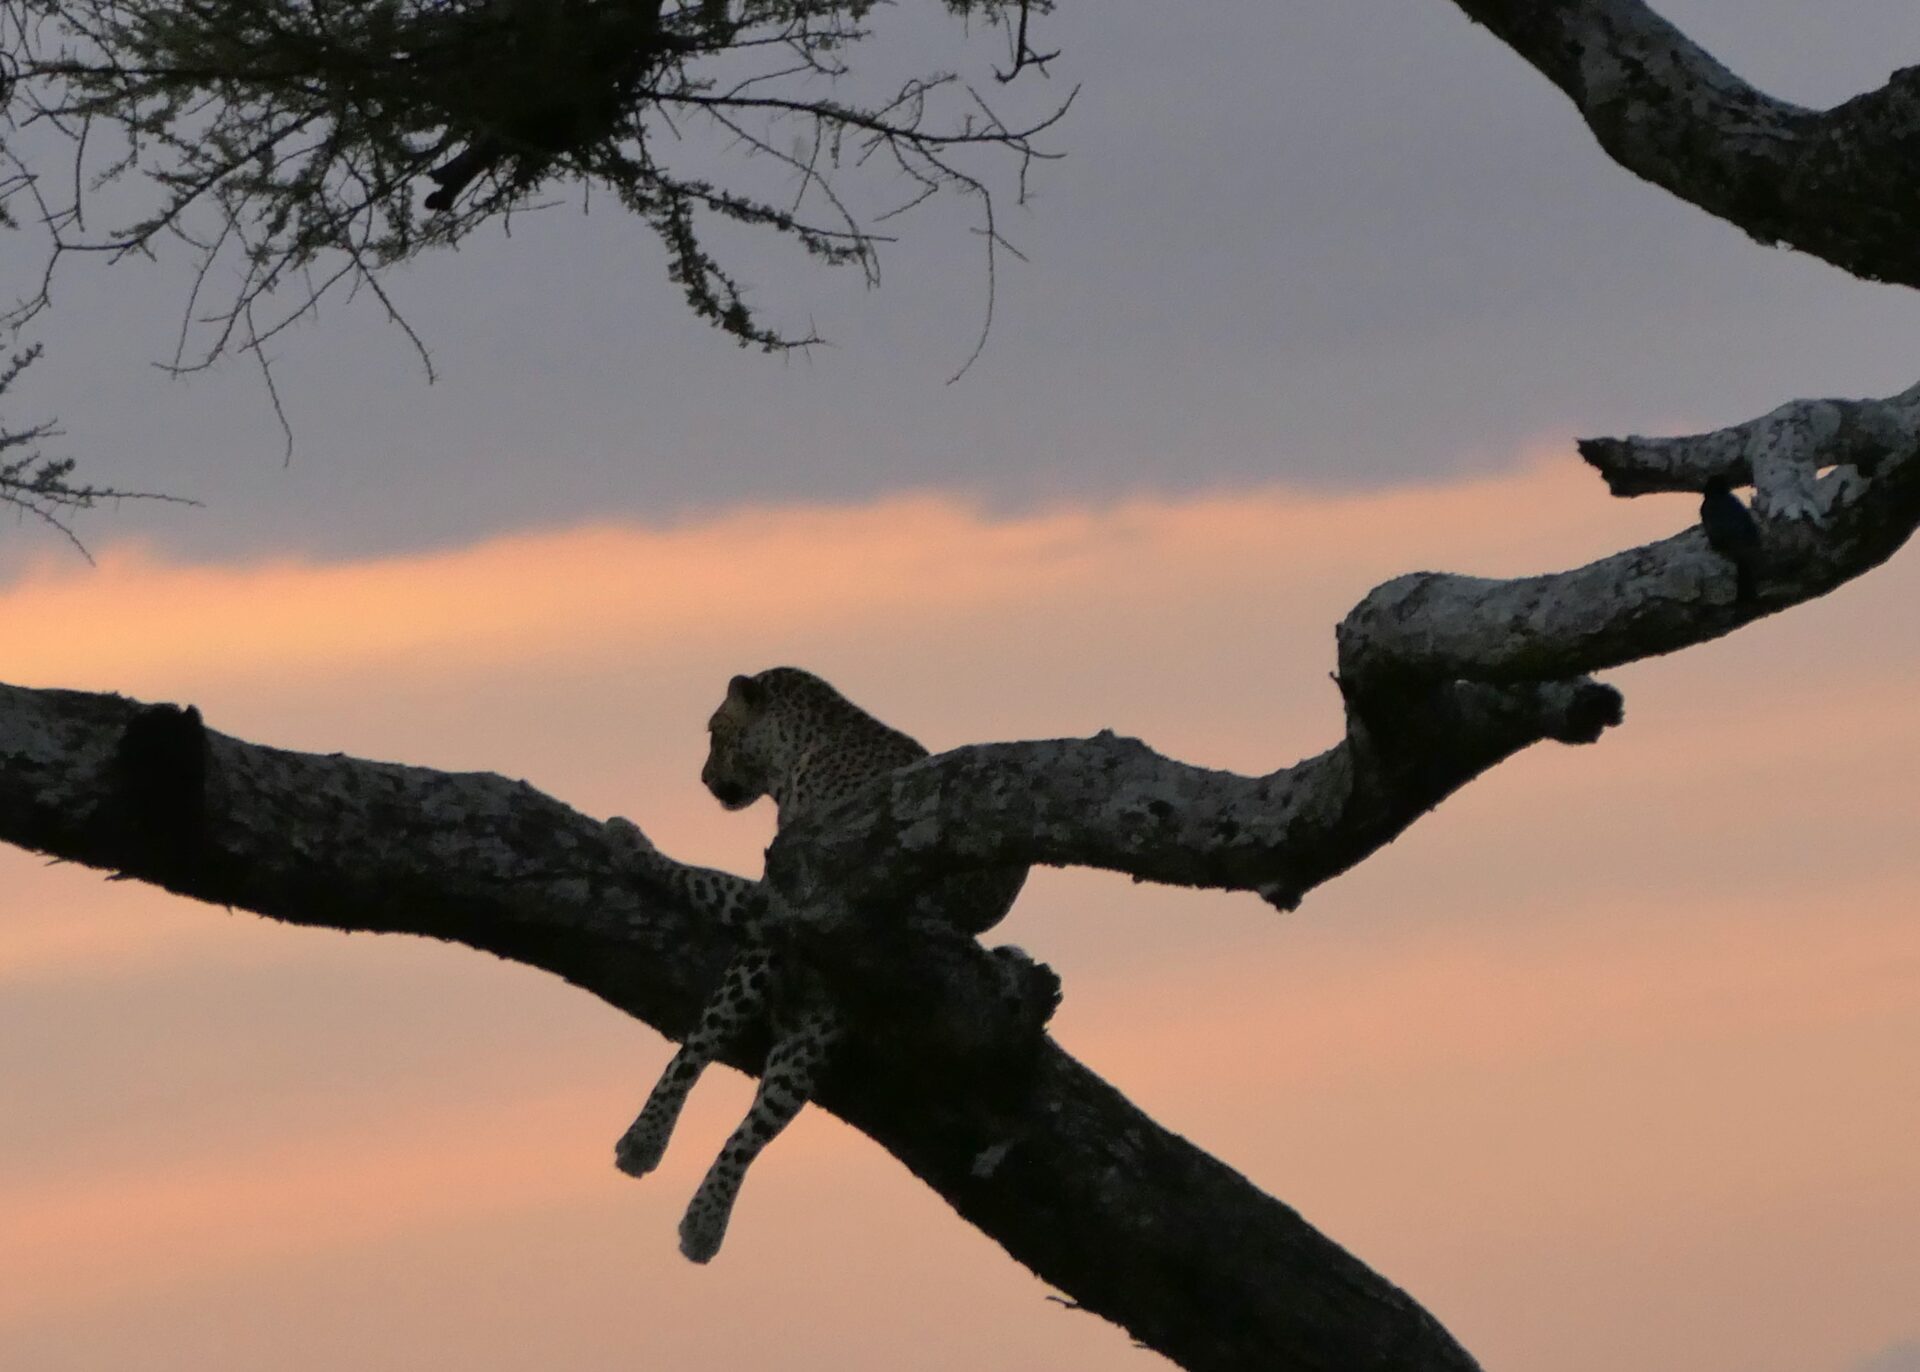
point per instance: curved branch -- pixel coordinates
(1667, 595)
(1132, 1221)
(1113, 802)
(1838, 183)
(1444, 676)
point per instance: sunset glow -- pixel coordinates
(1557, 1044)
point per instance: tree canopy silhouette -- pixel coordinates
(307, 144)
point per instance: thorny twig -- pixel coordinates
(1023, 55)
(42, 487)
(284, 138)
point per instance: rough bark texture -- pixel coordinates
(1132, 1221)
(1791, 444)
(1677, 592)
(1836, 183)
(1115, 803)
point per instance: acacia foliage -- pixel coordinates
(291, 140)
(41, 486)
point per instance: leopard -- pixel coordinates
(788, 735)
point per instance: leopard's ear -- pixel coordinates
(747, 691)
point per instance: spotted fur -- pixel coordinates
(787, 734)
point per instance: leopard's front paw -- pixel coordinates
(702, 1229)
(640, 1148)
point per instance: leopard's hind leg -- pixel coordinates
(738, 1004)
(786, 1083)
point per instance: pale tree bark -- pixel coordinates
(949, 1067)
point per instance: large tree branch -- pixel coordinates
(1639, 603)
(1131, 1220)
(1837, 183)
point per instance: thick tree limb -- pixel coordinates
(1838, 183)
(1133, 1221)
(1115, 803)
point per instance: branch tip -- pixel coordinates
(1283, 896)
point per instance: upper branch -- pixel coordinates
(282, 142)
(1444, 676)
(1838, 184)
(1801, 436)
(1115, 803)
(1671, 594)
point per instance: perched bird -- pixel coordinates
(454, 176)
(1732, 532)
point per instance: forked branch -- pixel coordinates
(1443, 677)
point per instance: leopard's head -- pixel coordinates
(786, 733)
(741, 745)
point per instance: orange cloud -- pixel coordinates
(581, 591)
(94, 1234)
(1440, 996)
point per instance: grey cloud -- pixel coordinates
(1899, 1357)
(1323, 242)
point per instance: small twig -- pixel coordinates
(1024, 56)
(255, 345)
(278, 133)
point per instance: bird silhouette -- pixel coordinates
(454, 176)
(1732, 532)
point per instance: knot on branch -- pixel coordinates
(160, 787)
(1589, 711)
(926, 1001)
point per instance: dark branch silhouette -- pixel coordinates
(1835, 183)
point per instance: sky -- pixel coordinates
(1610, 1062)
